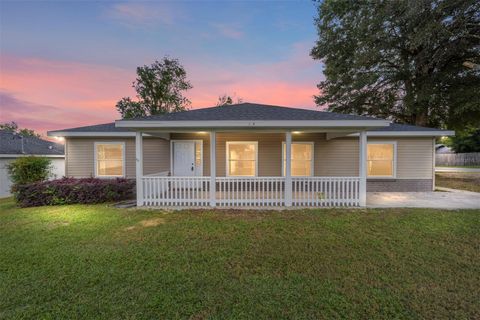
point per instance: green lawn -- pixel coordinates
(469, 167)
(99, 262)
(458, 180)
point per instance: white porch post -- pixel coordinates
(288, 169)
(213, 166)
(139, 167)
(362, 168)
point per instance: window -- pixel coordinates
(381, 159)
(301, 159)
(110, 159)
(242, 158)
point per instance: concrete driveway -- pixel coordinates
(453, 169)
(452, 199)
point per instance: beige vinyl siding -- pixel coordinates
(336, 157)
(80, 156)
(414, 157)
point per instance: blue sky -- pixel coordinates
(258, 50)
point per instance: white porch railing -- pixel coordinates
(161, 190)
(176, 191)
(258, 191)
(325, 191)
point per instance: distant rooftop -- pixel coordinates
(11, 143)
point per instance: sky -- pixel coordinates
(66, 63)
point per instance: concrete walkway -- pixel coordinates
(453, 169)
(451, 199)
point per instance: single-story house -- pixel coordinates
(255, 155)
(13, 145)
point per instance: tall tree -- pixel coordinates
(13, 127)
(159, 88)
(226, 99)
(413, 61)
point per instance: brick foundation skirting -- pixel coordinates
(399, 185)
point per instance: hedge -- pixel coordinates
(70, 190)
(29, 170)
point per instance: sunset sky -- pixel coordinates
(65, 63)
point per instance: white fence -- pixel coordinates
(326, 191)
(250, 192)
(457, 159)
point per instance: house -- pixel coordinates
(13, 145)
(443, 149)
(255, 155)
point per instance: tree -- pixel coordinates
(159, 88)
(412, 61)
(13, 127)
(468, 141)
(225, 99)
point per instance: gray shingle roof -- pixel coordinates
(251, 111)
(11, 143)
(104, 127)
(405, 127)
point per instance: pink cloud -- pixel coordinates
(147, 14)
(47, 94)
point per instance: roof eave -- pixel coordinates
(218, 124)
(430, 133)
(17, 155)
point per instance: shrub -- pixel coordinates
(29, 169)
(70, 190)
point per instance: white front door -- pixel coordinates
(184, 158)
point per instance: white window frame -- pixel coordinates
(200, 173)
(394, 169)
(313, 157)
(95, 158)
(227, 163)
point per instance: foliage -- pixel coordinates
(29, 169)
(59, 262)
(412, 61)
(159, 88)
(70, 190)
(225, 99)
(467, 141)
(13, 127)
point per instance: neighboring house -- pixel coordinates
(255, 155)
(13, 145)
(443, 149)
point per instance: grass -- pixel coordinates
(98, 262)
(456, 180)
(470, 167)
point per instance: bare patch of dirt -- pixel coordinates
(152, 222)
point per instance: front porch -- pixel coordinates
(250, 192)
(192, 183)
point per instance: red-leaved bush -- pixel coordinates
(70, 190)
